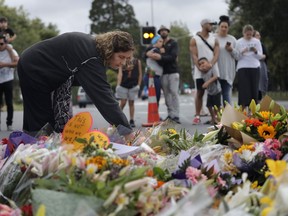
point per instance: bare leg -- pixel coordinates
(123, 103)
(131, 109)
(199, 101)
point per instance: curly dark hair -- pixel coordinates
(113, 42)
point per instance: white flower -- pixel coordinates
(247, 155)
(259, 147)
(91, 169)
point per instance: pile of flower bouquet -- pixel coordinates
(237, 167)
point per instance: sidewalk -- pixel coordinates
(187, 111)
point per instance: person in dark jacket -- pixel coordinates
(170, 77)
(48, 69)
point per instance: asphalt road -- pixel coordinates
(187, 112)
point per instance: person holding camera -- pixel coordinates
(226, 60)
(248, 66)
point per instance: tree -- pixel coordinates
(114, 14)
(28, 31)
(270, 19)
(180, 32)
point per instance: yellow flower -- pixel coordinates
(266, 211)
(120, 162)
(248, 129)
(254, 185)
(228, 157)
(266, 114)
(268, 202)
(276, 168)
(237, 125)
(266, 131)
(98, 160)
(41, 211)
(249, 147)
(172, 131)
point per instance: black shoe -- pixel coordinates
(132, 124)
(176, 119)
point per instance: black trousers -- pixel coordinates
(7, 89)
(37, 105)
(248, 85)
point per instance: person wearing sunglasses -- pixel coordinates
(7, 68)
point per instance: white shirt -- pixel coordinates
(205, 51)
(6, 73)
(249, 59)
(226, 60)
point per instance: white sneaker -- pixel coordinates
(9, 128)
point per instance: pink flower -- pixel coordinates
(194, 175)
(272, 143)
(212, 191)
(220, 181)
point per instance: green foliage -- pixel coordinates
(180, 32)
(112, 78)
(270, 19)
(28, 31)
(161, 175)
(115, 14)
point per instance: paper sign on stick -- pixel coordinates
(80, 124)
(99, 138)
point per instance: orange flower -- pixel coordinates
(254, 122)
(266, 131)
(150, 173)
(159, 184)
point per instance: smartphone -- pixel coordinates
(228, 43)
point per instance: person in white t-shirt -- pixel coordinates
(248, 66)
(206, 45)
(7, 68)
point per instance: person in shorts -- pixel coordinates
(128, 84)
(210, 82)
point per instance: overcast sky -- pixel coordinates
(72, 15)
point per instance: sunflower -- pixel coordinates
(267, 132)
(249, 147)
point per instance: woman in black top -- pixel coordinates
(48, 69)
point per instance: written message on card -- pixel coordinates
(99, 138)
(77, 126)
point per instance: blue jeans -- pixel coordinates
(157, 84)
(226, 91)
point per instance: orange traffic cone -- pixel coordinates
(153, 115)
